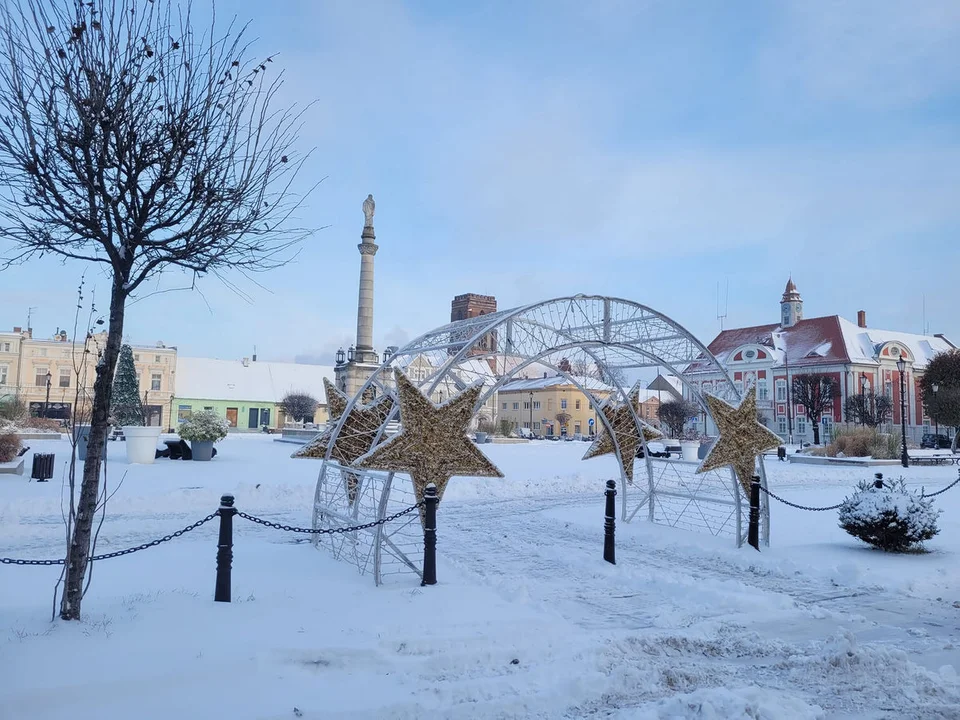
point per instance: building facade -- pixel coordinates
(52, 376)
(551, 405)
(247, 393)
(859, 360)
(472, 305)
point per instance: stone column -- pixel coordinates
(368, 248)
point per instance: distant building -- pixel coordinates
(859, 359)
(471, 305)
(28, 365)
(246, 393)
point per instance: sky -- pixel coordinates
(641, 149)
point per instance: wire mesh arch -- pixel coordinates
(595, 342)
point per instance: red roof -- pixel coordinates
(816, 341)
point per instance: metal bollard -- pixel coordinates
(430, 500)
(753, 531)
(224, 549)
(609, 523)
(878, 481)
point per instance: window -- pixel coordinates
(536, 426)
(526, 424)
(801, 425)
(504, 406)
(888, 389)
(207, 407)
(536, 404)
(6, 347)
(563, 403)
(184, 413)
(516, 406)
(763, 392)
(526, 404)
(577, 404)
(750, 354)
(782, 425)
(781, 390)
(155, 379)
(41, 377)
(4, 369)
(136, 358)
(156, 359)
(42, 352)
(64, 377)
(576, 428)
(738, 384)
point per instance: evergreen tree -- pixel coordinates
(125, 405)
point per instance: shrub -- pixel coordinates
(891, 517)
(864, 442)
(204, 426)
(12, 409)
(10, 445)
(41, 424)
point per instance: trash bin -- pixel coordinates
(42, 467)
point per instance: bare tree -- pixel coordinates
(816, 393)
(675, 413)
(868, 409)
(129, 141)
(299, 405)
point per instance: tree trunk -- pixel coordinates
(816, 431)
(79, 550)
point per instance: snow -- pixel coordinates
(818, 625)
(210, 379)
(863, 343)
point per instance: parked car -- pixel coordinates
(934, 441)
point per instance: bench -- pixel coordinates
(933, 459)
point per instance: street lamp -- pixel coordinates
(936, 422)
(863, 400)
(340, 356)
(46, 402)
(904, 458)
(531, 411)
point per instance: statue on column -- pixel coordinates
(368, 208)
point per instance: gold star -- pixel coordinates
(624, 427)
(741, 439)
(358, 431)
(432, 444)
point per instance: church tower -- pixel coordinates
(791, 306)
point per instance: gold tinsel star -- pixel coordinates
(624, 427)
(741, 439)
(358, 431)
(432, 445)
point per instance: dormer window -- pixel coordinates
(895, 351)
(750, 354)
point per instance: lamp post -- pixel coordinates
(904, 458)
(863, 400)
(46, 402)
(531, 411)
(936, 423)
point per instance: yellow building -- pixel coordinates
(45, 373)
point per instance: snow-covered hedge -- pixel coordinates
(891, 517)
(204, 426)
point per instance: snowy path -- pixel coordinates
(688, 611)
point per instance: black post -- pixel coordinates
(878, 480)
(224, 549)
(753, 532)
(430, 500)
(609, 523)
(904, 458)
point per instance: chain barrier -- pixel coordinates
(330, 531)
(939, 492)
(118, 553)
(799, 507)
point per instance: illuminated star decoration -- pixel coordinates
(432, 445)
(624, 427)
(355, 437)
(741, 439)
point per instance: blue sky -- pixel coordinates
(646, 150)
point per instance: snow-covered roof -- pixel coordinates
(863, 344)
(209, 379)
(541, 383)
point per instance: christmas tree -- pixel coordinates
(125, 405)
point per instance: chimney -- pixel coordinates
(861, 318)
(18, 329)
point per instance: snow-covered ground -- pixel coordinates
(527, 620)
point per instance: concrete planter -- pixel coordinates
(141, 444)
(690, 450)
(202, 449)
(83, 435)
(481, 438)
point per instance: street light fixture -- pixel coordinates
(863, 400)
(904, 458)
(46, 402)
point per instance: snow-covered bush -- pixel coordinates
(9, 445)
(891, 517)
(204, 426)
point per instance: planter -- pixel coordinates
(83, 434)
(141, 443)
(690, 449)
(481, 438)
(202, 449)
